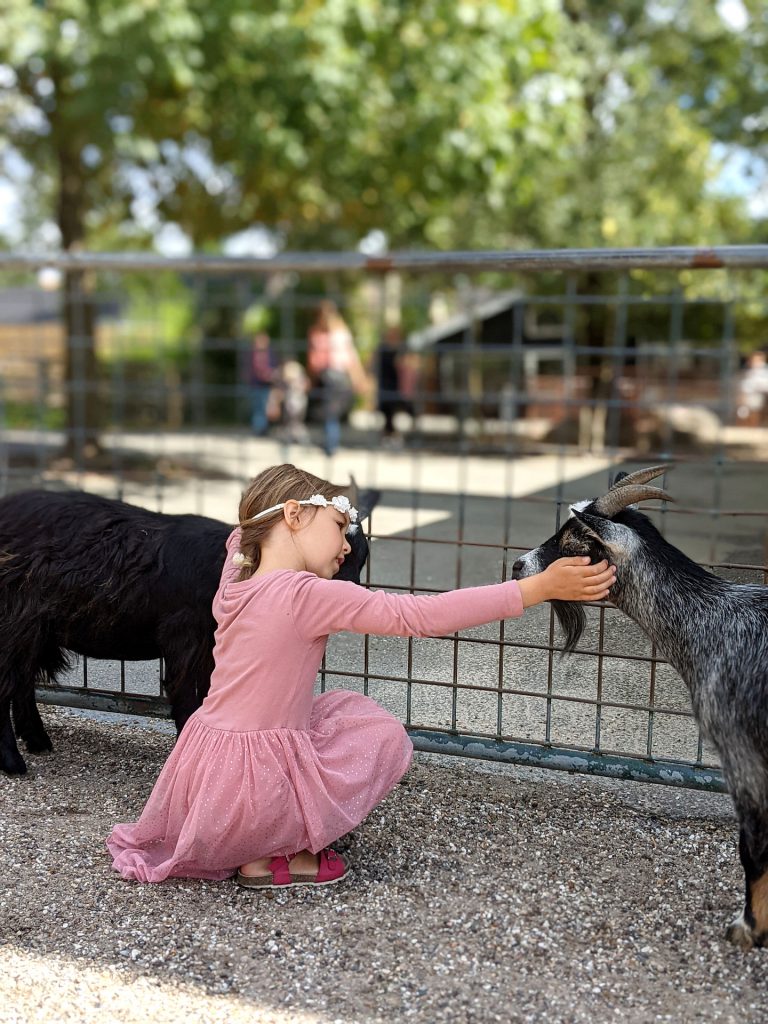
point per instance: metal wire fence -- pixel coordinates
(523, 382)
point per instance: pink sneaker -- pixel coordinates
(333, 867)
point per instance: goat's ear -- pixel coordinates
(614, 536)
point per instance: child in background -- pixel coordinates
(295, 388)
(265, 776)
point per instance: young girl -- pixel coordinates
(265, 776)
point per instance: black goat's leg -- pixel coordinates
(182, 696)
(27, 721)
(11, 760)
(182, 691)
(750, 928)
(187, 674)
(182, 709)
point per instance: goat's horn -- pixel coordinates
(641, 476)
(619, 497)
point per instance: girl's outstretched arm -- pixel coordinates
(323, 606)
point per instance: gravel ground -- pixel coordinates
(480, 893)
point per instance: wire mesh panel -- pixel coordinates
(524, 383)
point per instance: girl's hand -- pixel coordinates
(569, 579)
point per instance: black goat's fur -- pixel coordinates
(86, 575)
(715, 633)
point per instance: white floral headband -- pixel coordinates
(340, 502)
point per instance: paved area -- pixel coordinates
(480, 893)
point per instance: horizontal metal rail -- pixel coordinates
(87, 699)
(635, 769)
(742, 257)
(666, 772)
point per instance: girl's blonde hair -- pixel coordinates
(272, 487)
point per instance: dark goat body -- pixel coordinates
(82, 574)
(715, 633)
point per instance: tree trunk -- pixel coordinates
(83, 412)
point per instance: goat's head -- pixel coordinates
(364, 501)
(605, 527)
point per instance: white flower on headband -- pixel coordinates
(342, 504)
(239, 558)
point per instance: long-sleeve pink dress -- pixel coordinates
(264, 768)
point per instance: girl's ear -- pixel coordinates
(291, 514)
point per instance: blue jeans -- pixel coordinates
(332, 430)
(336, 398)
(259, 402)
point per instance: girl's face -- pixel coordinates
(324, 542)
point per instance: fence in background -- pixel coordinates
(529, 380)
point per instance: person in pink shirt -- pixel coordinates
(335, 369)
(265, 776)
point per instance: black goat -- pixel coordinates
(89, 575)
(714, 632)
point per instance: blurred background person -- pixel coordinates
(753, 390)
(262, 379)
(395, 383)
(335, 370)
(294, 388)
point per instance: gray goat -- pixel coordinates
(715, 633)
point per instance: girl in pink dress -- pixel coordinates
(265, 776)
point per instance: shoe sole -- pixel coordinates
(245, 882)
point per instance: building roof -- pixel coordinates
(490, 319)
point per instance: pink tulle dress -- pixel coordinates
(264, 768)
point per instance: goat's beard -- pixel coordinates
(572, 622)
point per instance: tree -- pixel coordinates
(463, 124)
(325, 121)
(90, 89)
(442, 123)
(639, 160)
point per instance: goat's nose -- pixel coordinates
(517, 567)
